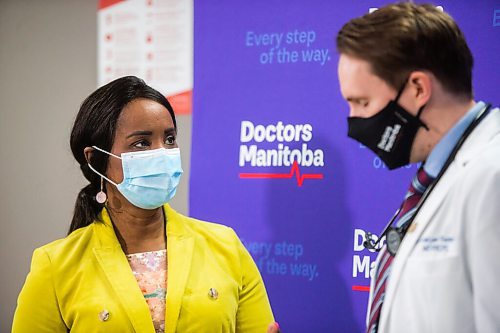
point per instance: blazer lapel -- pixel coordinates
(180, 246)
(116, 268)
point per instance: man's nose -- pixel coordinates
(353, 112)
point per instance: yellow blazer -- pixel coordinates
(72, 280)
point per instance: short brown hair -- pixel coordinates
(400, 38)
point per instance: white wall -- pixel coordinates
(47, 68)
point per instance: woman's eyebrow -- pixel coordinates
(138, 133)
(170, 130)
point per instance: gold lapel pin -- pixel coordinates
(412, 227)
(104, 315)
(212, 293)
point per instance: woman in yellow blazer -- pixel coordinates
(124, 140)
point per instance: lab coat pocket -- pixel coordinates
(435, 284)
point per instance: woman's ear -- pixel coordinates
(88, 151)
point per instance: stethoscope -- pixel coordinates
(394, 235)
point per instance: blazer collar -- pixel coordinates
(180, 245)
(116, 269)
(114, 264)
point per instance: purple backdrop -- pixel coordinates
(265, 92)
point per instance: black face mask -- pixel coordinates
(389, 133)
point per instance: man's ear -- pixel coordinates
(88, 151)
(420, 86)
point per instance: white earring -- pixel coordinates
(101, 197)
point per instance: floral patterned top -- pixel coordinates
(150, 271)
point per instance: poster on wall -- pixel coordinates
(151, 39)
(271, 157)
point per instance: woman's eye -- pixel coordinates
(170, 140)
(141, 144)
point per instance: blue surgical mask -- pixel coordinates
(150, 177)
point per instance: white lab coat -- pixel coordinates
(446, 274)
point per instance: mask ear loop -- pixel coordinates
(418, 117)
(101, 196)
(419, 112)
(400, 91)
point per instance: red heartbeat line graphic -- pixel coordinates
(294, 170)
(361, 288)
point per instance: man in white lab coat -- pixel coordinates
(405, 71)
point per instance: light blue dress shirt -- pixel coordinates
(438, 156)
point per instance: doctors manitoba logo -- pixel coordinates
(390, 134)
(286, 145)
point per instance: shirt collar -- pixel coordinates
(438, 156)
